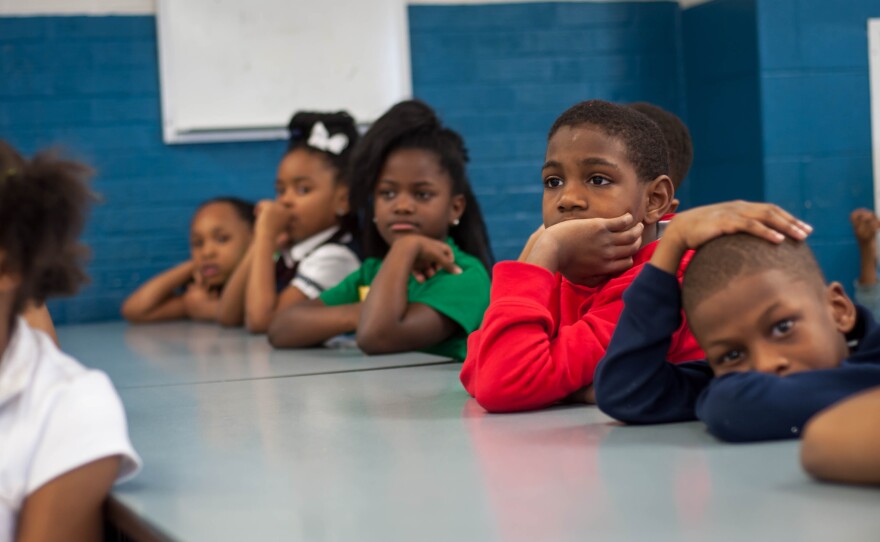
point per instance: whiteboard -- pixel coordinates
(233, 70)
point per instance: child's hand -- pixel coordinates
(533, 238)
(272, 220)
(691, 229)
(200, 302)
(865, 225)
(587, 248)
(429, 256)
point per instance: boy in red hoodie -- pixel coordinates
(552, 313)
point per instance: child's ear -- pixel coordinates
(456, 209)
(659, 195)
(843, 310)
(674, 205)
(340, 201)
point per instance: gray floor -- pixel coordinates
(405, 454)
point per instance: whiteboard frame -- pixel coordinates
(874, 76)
(174, 135)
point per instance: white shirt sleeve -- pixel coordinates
(324, 268)
(85, 422)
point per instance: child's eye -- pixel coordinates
(303, 190)
(195, 243)
(386, 193)
(598, 180)
(279, 189)
(782, 328)
(424, 196)
(552, 182)
(222, 239)
(730, 357)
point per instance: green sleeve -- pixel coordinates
(462, 298)
(345, 292)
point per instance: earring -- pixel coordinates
(340, 212)
(456, 222)
(375, 220)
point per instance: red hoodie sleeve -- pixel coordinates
(521, 358)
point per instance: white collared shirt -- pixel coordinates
(55, 416)
(321, 266)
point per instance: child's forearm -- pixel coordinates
(634, 382)
(867, 264)
(752, 406)
(668, 254)
(842, 443)
(387, 302)
(152, 300)
(310, 323)
(260, 297)
(388, 322)
(231, 309)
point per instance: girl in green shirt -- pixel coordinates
(425, 284)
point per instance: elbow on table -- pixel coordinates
(498, 399)
(376, 342)
(279, 336)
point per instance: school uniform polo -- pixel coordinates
(635, 384)
(462, 298)
(319, 262)
(55, 416)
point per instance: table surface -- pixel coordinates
(191, 353)
(405, 454)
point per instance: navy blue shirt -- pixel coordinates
(635, 384)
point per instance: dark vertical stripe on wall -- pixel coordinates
(724, 108)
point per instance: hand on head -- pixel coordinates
(691, 229)
(865, 225)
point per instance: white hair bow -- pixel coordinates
(320, 139)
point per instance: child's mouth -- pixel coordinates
(210, 271)
(403, 227)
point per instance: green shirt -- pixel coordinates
(462, 298)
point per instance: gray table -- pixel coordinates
(404, 454)
(190, 352)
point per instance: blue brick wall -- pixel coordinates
(502, 73)
(90, 85)
(816, 121)
(498, 73)
(723, 101)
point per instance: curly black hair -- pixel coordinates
(643, 139)
(412, 124)
(679, 145)
(43, 206)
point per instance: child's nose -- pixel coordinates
(404, 204)
(571, 199)
(772, 362)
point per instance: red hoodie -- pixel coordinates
(542, 335)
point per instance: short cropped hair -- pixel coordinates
(678, 139)
(643, 139)
(728, 257)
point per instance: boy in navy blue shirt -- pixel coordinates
(780, 343)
